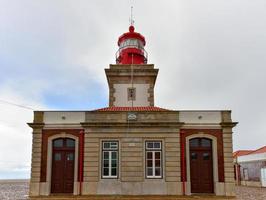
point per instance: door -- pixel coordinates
(63, 162)
(201, 165)
(263, 177)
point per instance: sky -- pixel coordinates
(210, 55)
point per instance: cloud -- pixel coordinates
(15, 143)
(53, 54)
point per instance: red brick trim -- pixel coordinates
(48, 133)
(218, 133)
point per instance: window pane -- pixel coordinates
(105, 163)
(149, 163)
(205, 142)
(105, 171)
(193, 156)
(157, 155)
(70, 143)
(149, 171)
(114, 155)
(114, 163)
(157, 163)
(58, 143)
(150, 145)
(194, 142)
(149, 155)
(105, 155)
(57, 156)
(245, 171)
(157, 145)
(113, 171)
(106, 145)
(113, 145)
(131, 94)
(206, 156)
(70, 156)
(157, 171)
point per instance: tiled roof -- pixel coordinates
(241, 153)
(248, 152)
(146, 108)
(260, 150)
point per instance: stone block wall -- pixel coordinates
(131, 178)
(36, 162)
(132, 160)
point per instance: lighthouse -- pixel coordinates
(131, 80)
(131, 48)
(131, 147)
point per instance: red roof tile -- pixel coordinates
(248, 152)
(260, 150)
(241, 153)
(146, 108)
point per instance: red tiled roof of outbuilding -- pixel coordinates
(260, 150)
(248, 152)
(142, 108)
(241, 153)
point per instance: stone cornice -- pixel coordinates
(121, 66)
(127, 72)
(132, 124)
(36, 125)
(228, 124)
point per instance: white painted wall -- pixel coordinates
(263, 177)
(121, 98)
(71, 117)
(252, 157)
(199, 117)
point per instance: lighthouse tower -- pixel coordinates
(131, 80)
(131, 48)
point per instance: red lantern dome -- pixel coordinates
(131, 48)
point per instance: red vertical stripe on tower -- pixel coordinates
(183, 161)
(81, 159)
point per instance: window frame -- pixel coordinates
(153, 150)
(245, 174)
(133, 98)
(110, 150)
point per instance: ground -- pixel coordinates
(18, 190)
(14, 190)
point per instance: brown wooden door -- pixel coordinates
(201, 165)
(63, 163)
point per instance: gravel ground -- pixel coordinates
(14, 189)
(250, 193)
(18, 190)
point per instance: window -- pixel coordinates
(200, 142)
(154, 159)
(109, 159)
(193, 156)
(58, 143)
(131, 94)
(132, 43)
(245, 173)
(70, 143)
(205, 142)
(64, 143)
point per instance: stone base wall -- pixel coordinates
(251, 183)
(117, 187)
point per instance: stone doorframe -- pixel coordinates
(46, 186)
(214, 156)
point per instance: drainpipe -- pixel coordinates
(81, 155)
(183, 163)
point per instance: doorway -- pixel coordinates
(201, 165)
(63, 164)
